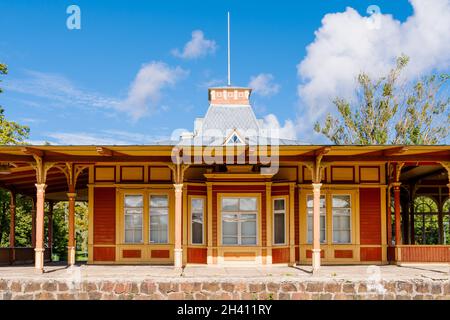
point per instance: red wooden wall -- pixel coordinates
(104, 223)
(197, 255)
(280, 255)
(425, 254)
(370, 223)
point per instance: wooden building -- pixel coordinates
(223, 195)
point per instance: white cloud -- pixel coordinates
(197, 47)
(59, 89)
(287, 131)
(146, 89)
(32, 120)
(104, 137)
(348, 43)
(263, 85)
(36, 142)
(143, 96)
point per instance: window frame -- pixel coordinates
(325, 197)
(220, 197)
(285, 212)
(149, 195)
(124, 227)
(350, 221)
(203, 198)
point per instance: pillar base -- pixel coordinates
(269, 256)
(39, 260)
(315, 260)
(209, 256)
(178, 255)
(70, 256)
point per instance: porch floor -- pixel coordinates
(58, 271)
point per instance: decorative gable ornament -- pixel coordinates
(234, 139)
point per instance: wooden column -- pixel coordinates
(71, 236)
(398, 233)
(50, 227)
(389, 218)
(186, 221)
(39, 248)
(412, 189)
(291, 222)
(316, 227)
(178, 251)
(33, 222)
(209, 224)
(269, 222)
(12, 227)
(440, 218)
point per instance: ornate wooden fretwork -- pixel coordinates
(317, 168)
(41, 168)
(178, 172)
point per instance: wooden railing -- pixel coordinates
(424, 253)
(20, 255)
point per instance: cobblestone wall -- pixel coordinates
(185, 289)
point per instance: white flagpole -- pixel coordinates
(229, 71)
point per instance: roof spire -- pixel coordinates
(229, 71)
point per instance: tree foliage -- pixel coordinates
(11, 132)
(388, 112)
(60, 224)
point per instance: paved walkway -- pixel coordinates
(122, 272)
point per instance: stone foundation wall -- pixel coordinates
(224, 289)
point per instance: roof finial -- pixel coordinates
(229, 71)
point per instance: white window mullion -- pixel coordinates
(238, 207)
(197, 208)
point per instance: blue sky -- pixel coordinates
(119, 80)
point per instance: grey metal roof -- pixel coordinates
(253, 141)
(229, 117)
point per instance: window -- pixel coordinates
(133, 210)
(323, 221)
(239, 221)
(234, 139)
(341, 206)
(279, 221)
(159, 215)
(197, 213)
(446, 222)
(426, 222)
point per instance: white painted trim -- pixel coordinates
(284, 198)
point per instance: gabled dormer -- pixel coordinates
(234, 139)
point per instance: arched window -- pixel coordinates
(426, 221)
(446, 221)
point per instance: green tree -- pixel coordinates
(60, 229)
(11, 132)
(389, 112)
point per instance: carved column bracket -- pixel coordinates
(446, 165)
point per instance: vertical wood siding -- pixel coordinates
(370, 223)
(370, 254)
(197, 255)
(370, 215)
(297, 224)
(425, 254)
(104, 216)
(104, 253)
(280, 255)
